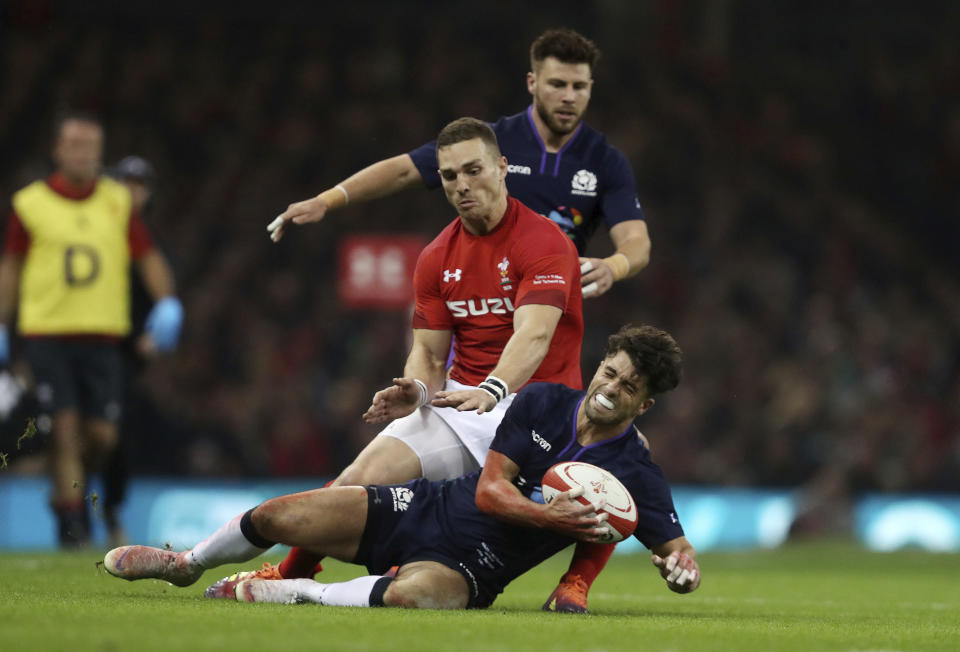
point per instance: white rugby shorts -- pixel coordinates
(447, 442)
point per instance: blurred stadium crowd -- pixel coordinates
(800, 173)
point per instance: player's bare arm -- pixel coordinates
(632, 243)
(381, 179)
(499, 497)
(11, 265)
(676, 560)
(533, 328)
(426, 364)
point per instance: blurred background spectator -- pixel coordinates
(799, 164)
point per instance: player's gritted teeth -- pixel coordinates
(603, 401)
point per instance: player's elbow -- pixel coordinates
(485, 498)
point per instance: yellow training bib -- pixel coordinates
(76, 273)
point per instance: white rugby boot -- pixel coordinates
(143, 562)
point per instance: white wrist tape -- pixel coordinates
(423, 391)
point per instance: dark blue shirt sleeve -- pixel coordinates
(658, 521)
(425, 159)
(619, 201)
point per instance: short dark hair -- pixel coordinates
(463, 129)
(565, 45)
(654, 353)
(66, 115)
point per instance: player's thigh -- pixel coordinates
(440, 453)
(99, 370)
(385, 460)
(428, 585)
(100, 434)
(330, 521)
(51, 364)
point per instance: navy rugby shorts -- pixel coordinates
(404, 525)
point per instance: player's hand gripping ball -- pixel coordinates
(600, 489)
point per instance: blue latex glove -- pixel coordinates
(164, 322)
(4, 345)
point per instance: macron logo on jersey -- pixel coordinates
(540, 441)
(455, 275)
(477, 307)
(519, 169)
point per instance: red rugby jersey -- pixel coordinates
(472, 284)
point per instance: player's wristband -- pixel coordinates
(336, 197)
(495, 387)
(423, 391)
(619, 264)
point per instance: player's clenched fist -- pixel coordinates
(679, 570)
(571, 518)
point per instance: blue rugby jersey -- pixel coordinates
(586, 182)
(538, 431)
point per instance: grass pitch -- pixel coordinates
(801, 597)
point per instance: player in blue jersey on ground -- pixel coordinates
(558, 166)
(458, 543)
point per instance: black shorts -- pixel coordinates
(402, 528)
(86, 374)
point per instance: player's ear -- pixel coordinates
(646, 405)
(531, 82)
(502, 165)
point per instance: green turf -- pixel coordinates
(801, 597)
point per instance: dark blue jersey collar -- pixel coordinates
(543, 147)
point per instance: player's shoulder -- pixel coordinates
(538, 234)
(109, 184)
(32, 189)
(439, 244)
(532, 222)
(642, 439)
(509, 124)
(547, 395)
(596, 146)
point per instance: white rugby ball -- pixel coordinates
(598, 485)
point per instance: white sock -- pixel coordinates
(355, 593)
(225, 546)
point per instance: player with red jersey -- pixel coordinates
(505, 282)
(472, 286)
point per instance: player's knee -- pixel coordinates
(410, 594)
(101, 440)
(273, 520)
(352, 476)
(391, 462)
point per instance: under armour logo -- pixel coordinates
(447, 275)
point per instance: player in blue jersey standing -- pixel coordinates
(458, 543)
(558, 166)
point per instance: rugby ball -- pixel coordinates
(598, 484)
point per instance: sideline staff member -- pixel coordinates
(65, 267)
